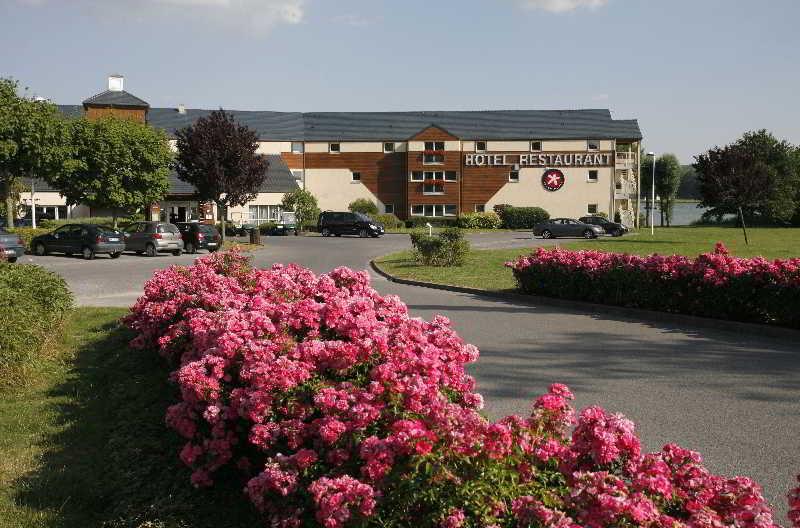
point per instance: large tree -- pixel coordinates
(304, 205)
(34, 142)
(218, 156)
(668, 179)
(118, 164)
(757, 177)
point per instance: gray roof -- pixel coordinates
(400, 126)
(279, 179)
(116, 98)
(39, 185)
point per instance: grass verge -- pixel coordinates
(484, 268)
(85, 443)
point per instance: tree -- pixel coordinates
(119, 164)
(646, 185)
(756, 177)
(218, 156)
(668, 179)
(304, 205)
(688, 188)
(363, 205)
(34, 142)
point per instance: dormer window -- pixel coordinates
(536, 146)
(334, 148)
(593, 144)
(480, 146)
(388, 147)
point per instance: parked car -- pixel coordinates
(560, 227)
(199, 236)
(347, 223)
(11, 245)
(612, 228)
(153, 237)
(86, 239)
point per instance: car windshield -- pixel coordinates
(106, 230)
(363, 217)
(168, 228)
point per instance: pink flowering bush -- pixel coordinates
(711, 285)
(337, 408)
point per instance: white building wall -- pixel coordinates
(335, 189)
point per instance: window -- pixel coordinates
(591, 208)
(417, 210)
(433, 188)
(434, 210)
(260, 214)
(356, 177)
(433, 175)
(417, 176)
(434, 145)
(480, 208)
(450, 210)
(433, 159)
(593, 144)
(388, 208)
(592, 176)
(536, 146)
(450, 176)
(388, 147)
(513, 176)
(480, 146)
(297, 147)
(334, 148)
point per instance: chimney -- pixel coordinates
(116, 83)
(181, 109)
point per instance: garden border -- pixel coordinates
(736, 327)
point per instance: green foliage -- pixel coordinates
(668, 179)
(388, 220)
(304, 205)
(487, 220)
(33, 302)
(689, 188)
(420, 221)
(267, 228)
(522, 217)
(363, 205)
(447, 248)
(28, 233)
(99, 220)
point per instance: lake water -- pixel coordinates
(682, 213)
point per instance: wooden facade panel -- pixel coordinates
(293, 161)
(135, 114)
(479, 184)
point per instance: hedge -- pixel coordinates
(487, 220)
(714, 284)
(388, 220)
(28, 233)
(33, 301)
(447, 248)
(437, 221)
(338, 409)
(522, 217)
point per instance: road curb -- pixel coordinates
(607, 309)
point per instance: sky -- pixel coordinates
(695, 73)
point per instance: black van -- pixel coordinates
(347, 223)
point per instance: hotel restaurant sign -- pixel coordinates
(549, 159)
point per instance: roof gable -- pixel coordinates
(433, 132)
(117, 99)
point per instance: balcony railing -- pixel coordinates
(625, 159)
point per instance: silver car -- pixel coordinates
(559, 227)
(152, 238)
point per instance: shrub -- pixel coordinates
(389, 221)
(101, 220)
(488, 220)
(522, 217)
(339, 409)
(267, 228)
(447, 248)
(33, 302)
(420, 221)
(711, 285)
(28, 233)
(363, 205)
(304, 205)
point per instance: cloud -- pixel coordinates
(354, 20)
(257, 16)
(562, 6)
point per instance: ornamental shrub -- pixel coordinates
(712, 285)
(388, 220)
(447, 248)
(522, 217)
(33, 302)
(487, 220)
(420, 221)
(28, 233)
(339, 409)
(363, 205)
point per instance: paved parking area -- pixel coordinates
(733, 397)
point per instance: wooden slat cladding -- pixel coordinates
(293, 160)
(479, 184)
(134, 114)
(434, 133)
(384, 174)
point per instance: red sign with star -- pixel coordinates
(553, 179)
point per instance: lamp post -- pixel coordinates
(652, 193)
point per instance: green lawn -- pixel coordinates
(484, 268)
(85, 443)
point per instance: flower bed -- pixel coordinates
(712, 285)
(339, 409)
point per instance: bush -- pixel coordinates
(420, 221)
(488, 220)
(101, 220)
(363, 205)
(522, 217)
(340, 409)
(448, 248)
(304, 205)
(28, 233)
(33, 302)
(712, 285)
(389, 221)
(267, 228)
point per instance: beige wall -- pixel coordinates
(419, 146)
(569, 201)
(335, 189)
(274, 147)
(241, 214)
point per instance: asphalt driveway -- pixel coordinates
(733, 397)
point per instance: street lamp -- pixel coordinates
(652, 193)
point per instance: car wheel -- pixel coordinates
(177, 252)
(88, 253)
(547, 234)
(338, 234)
(617, 233)
(326, 232)
(362, 233)
(39, 249)
(190, 248)
(12, 259)
(588, 234)
(116, 254)
(150, 250)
